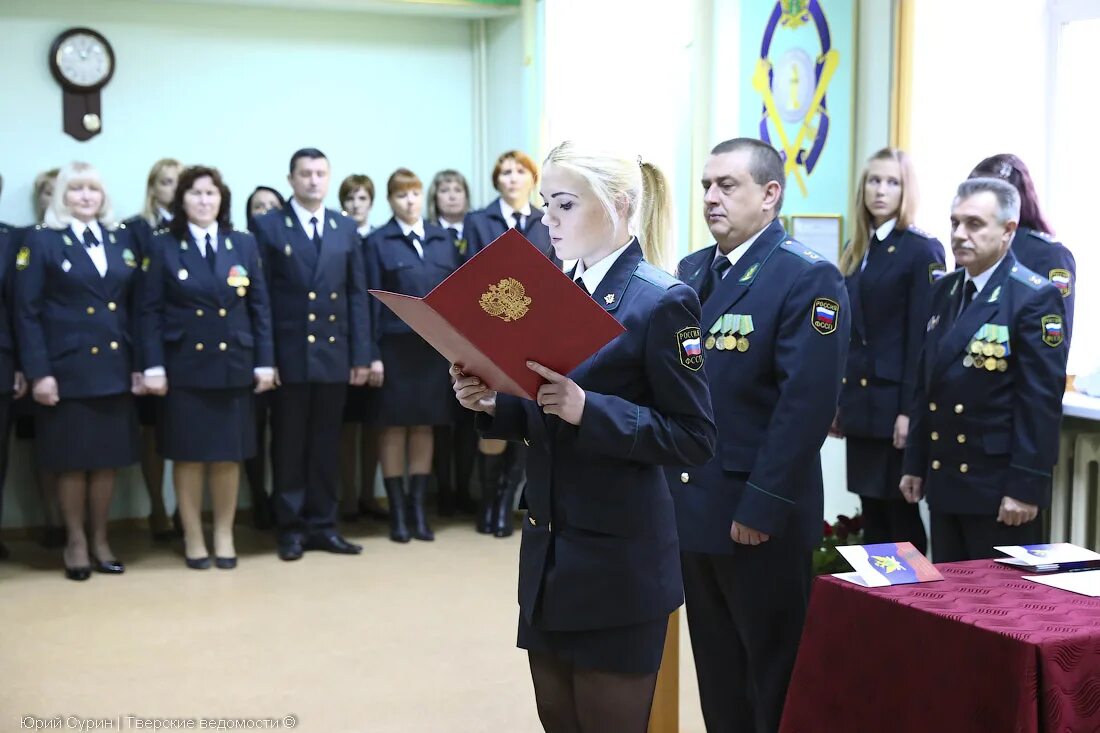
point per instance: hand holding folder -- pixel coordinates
(508, 305)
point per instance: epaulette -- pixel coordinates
(801, 250)
(1044, 236)
(162, 230)
(39, 226)
(122, 225)
(920, 232)
(1027, 277)
(654, 275)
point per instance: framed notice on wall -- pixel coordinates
(823, 233)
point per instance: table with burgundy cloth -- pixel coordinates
(982, 651)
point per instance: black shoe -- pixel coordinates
(333, 543)
(82, 573)
(491, 472)
(110, 567)
(197, 563)
(502, 518)
(225, 563)
(399, 531)
(290, 549)
(418, 489)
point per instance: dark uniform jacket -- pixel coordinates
(1051, 259)
(773, 401)
(394, 265)
(981, 432)
(890, 299)
(319, 310)
(9, 363)
(599, 546)
(482, 227)
(71, 323)
(208, 329)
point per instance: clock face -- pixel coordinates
(84, 60)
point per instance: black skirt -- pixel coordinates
(86, 434)
(416, 389)
(363, 405)
(205, 425)
(635, 649)
(874, 467)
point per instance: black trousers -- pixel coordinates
(5, 431)
(305, 456)
(957, 537)
(892, 520)
(745, 614)
(255, 468)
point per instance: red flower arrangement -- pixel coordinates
(844, 531)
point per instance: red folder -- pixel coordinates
(507, 305)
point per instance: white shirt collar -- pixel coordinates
(593, 276)
(164, 214)
(982, 278)
(304, 215)
(79, 227)
(363, 230)
(199, 234)
(886, 230)
(418, 227)
(739, 251)
(448, 225)
(507, 211)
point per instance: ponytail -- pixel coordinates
(655, 225)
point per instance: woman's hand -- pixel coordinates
(472, 394)
(376, 374)
(560, 395)
(19, 388)
(835, 431)
(157, 385)
(45, 391)
(901, 431)
(264, 381)
(137, 384)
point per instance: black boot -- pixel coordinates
(395, 492)
(516, 464)
(418, 488)
(490, 472)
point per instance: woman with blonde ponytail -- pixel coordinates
(599, 557)
(889, 267)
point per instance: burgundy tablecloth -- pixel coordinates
(980, 652)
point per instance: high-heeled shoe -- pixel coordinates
(225, 563)
(197, 563)
(110, 567)
(81, 573)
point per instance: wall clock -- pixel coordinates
(82, 62)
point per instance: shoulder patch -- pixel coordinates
(1027, 277)
(801, 250)
(824, 315)
(1052, 330)
(1063, 280)
(654, 275)
(920, 232)
(690, 348)
(936, 270)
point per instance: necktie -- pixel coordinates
(89, 238)
(580, 284)
(519, 220)
(453, 232)
(414, 240)
(717, 268)
(316, 233)
(969, 291)
(210, 253)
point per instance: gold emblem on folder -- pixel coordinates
(507, 300)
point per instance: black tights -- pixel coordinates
(572, 700)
